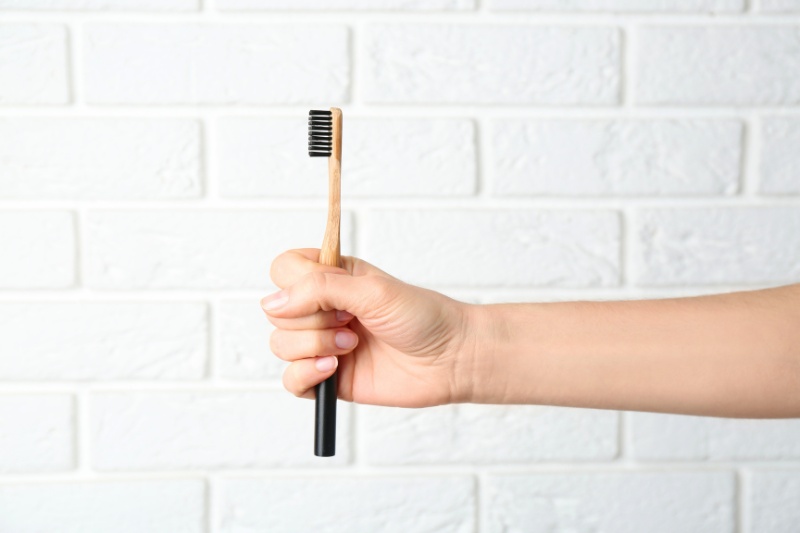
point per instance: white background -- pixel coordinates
(153, 162)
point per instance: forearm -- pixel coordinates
(735, 355)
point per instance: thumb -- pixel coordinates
(326, 291)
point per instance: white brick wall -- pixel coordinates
(664, 502)
(180, 430)
(123, 506)
(780, 6)
(721, 245)
(718, 65)
(114, 159)
(657, 437)
(220, 64)
(196, 248)
(491, 64)
(102, 341)
(486, 434)
(258, 158)
(242, 334)
(772, 496)
(36, 433)
(410, 5)
(153, 162)
(427, 504)
(101, 5)
(38, 249)
(780, 158)
(33, 64)
(473, 247)
(664, 6)
(605, 158)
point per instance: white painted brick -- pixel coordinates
(495, 247)
(666, 6)
(215, 64)
(560, 157)
(144, 200)
(780, 156)
(209, 429)
(244, 351)
(717, 245)
(491, 64)
(771, 501)
(38, 249)
(101, 5)
(656, 502)
(486, 434)
(440, 504)
(718, 65)
(118, 506)
(666, 437)
(102, 341)
(195, 248)
(381, 157)
(330, 5)
(36, 434)
(779, 6)
(33, 64)
(120, 159)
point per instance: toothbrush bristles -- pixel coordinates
(320, 128)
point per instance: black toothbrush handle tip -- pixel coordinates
(325, 418)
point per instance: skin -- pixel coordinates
(731, 355)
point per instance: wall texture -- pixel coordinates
(152, 163)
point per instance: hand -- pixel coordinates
(398, 344)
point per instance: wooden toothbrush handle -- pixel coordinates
(330, 253)
(325, 405)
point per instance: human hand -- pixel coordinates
(401, 345)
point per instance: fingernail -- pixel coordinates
(345, 339)
(342, 316)
(274, 300)
(326, 364)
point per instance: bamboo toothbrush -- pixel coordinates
(325, 140)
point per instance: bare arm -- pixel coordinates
(732, 355)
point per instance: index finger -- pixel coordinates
(292, 265)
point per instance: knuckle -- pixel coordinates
(320, 346)
(317, 321)
(382, 287)
(318, 280)
(326, 319)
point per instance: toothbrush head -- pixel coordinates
(320, 133)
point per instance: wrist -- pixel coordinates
(478, 376)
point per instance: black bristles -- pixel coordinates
(320, 126)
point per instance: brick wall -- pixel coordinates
(152, 163)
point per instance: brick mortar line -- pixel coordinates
(416, 111)
(465, 18)
(739, 503)
(399, 471)
(440, 204)
(81, 428)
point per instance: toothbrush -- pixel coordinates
(325, 140)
